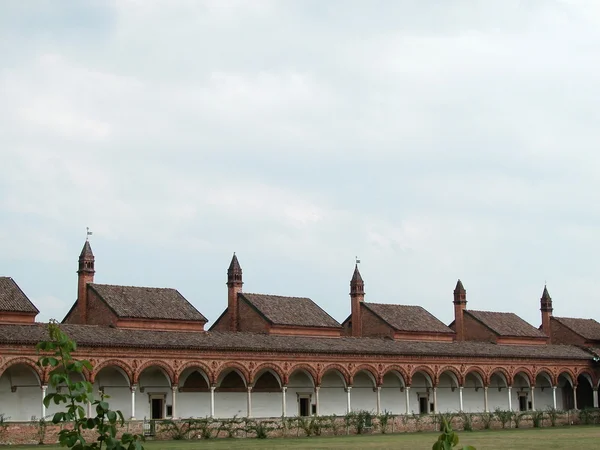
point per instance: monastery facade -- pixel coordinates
(268, 356)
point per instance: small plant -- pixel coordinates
(305, 423)
(504, 416)
(448, 417)
(586, 416)
(361, 420)
(260, 428)
(348, 421)
(537, 417)
(518, 417)
(486, 420)
(41, 431)
(384, 419)
(318, 424)
(418, 418)
(3, 426)
(334, 424)
(56, 356)
(467, 421)
(178, 430)
(448, 439)
(553, 414)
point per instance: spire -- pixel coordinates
(460, 293)
(234, 273)
(86, 259)
(357, 285)
(546, 301)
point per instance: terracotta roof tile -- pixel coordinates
(587, 328)
(408, 318)
(291, 311)
(99, 336)
(505, 324)
(147, 303)
(13, 299)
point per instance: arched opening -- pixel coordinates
(20, 393)
(543, 391)
(566, 399)
(113, 381)
(193, 399)
(498, 391)
(393, 397)
(332, 395)
(301, 398)
(421, 393)
(473, 392)
(62, 388)
(448, 393)
(231, 394)
(266, 395)
(521, 392)
(585, 393)
(155, 399)
(364, 391)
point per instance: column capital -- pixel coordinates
(348, 388)
(461, 388)
(43, 387)
(317, 387)
(284, 388)
(595, 389)
(174, 387)
(249, 388)
(133, 387)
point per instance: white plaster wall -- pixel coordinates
(362, 396)
(267, 404)
(419, 385)
(26, 401)
(116, 386)
(447, 399)
(392, 399)
(229, 404)
(152, 381)
(298, 383)
(332, 395)
(193, 404)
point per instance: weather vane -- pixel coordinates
(357, 260)
(88, 233)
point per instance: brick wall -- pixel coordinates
(476, 331)
(222, 323)
(98, 312)
(374, 326)
(249, 319)
(563, 335)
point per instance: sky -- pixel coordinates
(432, 139)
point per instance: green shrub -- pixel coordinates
(537, 417)
(467, 421)
(448, 439)
(518, 417)
(384, 419)
(56, 356)
(504, 416)
(553, 414)
(486, 420)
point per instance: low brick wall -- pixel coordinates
(14, 433)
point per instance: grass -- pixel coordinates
(572, 438)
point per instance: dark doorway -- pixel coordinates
(585, 393)
(157, 408)
(423, 405)
(304, 406)
(522, 403)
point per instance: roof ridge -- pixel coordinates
(392, 304)
(131, 286)
(274, 295)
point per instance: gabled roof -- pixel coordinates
(506, 324)
(147, 303)
(586, 328)
(408, 318)
(290, 311)
(13, 299)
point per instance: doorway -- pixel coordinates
(304, 406)
(423, 405)
(157, 407)
(522, 402)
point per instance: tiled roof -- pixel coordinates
(506, 324)
(99, 336)
(292, 311)
(586, 328)
(13, 299)
(86, 251)
(147, 303)
(408, 318)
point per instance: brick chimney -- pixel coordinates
(460, 304)
(357, 296)
(234, 287)
(85, 275)
(546, 309)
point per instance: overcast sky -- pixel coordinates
(435, 140)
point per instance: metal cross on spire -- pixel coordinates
(88, 233)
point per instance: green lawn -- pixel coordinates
(572, 438)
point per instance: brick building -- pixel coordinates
(268, 355)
